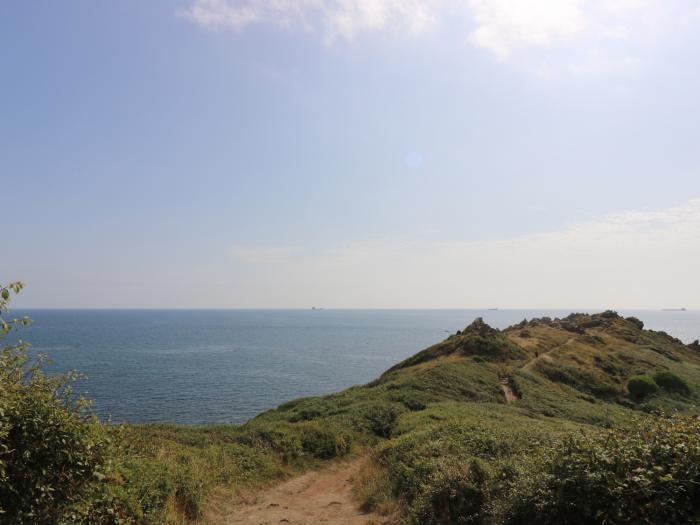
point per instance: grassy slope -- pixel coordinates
(441, 407)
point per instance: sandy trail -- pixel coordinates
(508, 390)
(320, 496)
(545, 355)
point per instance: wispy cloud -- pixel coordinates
(334, 19)
(498, 26)
(632, 259)
(503, 25)
(635, 259)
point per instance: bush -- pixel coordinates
(642, 386)
(281, 440)
(648, 474)
(671, 382)
(578, 378)
(456, 493)
(324, 442)
(51, 449)
(382, 417)
(636, 322)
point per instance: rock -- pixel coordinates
(479, 327)
(639, 324)
(571, 327)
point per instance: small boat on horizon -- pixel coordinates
(674, 309)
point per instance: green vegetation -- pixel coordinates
(50, 449)
(585, 442)
(672, 382)
(647, 473)
(642, 386)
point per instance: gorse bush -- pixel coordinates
(324, 441)
(645, 475)
(51, 449)
(455, 493)
(671, 382)
(642, 386)
(382, 417)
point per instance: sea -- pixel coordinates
(226, 366)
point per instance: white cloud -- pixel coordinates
(219, 13)
(344, 19)
(503, 25)
(546, 38)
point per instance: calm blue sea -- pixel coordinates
(215, 366)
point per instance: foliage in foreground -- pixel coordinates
(649, 473)
(50, 449)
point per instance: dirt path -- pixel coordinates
(531, 363)
(508, 390)
(317, 497)
(505, 380)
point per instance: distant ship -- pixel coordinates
(674, 310)
(492, 309)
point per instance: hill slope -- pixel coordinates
(575, 368)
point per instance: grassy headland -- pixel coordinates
(574, 441)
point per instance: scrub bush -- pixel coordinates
(671, 382)
(456, 493)
(324, 441)
(642, 386)
(648, 474)
(51, 449)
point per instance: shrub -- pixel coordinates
(578, 378)
(671, 382)
(51, 449)
(636, 322)
(281, 440)
(412, 400)
(642, 386)
(50, 452)
(324, 441)
(455, 493)
(648, 474)
(382, 417)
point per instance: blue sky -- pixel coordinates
(351, 153)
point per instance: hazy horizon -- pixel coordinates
(437, 154)
(563, 310)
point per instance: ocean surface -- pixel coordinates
(223, 366)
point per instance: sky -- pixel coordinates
(351, 153)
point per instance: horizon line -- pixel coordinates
(383, 308)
